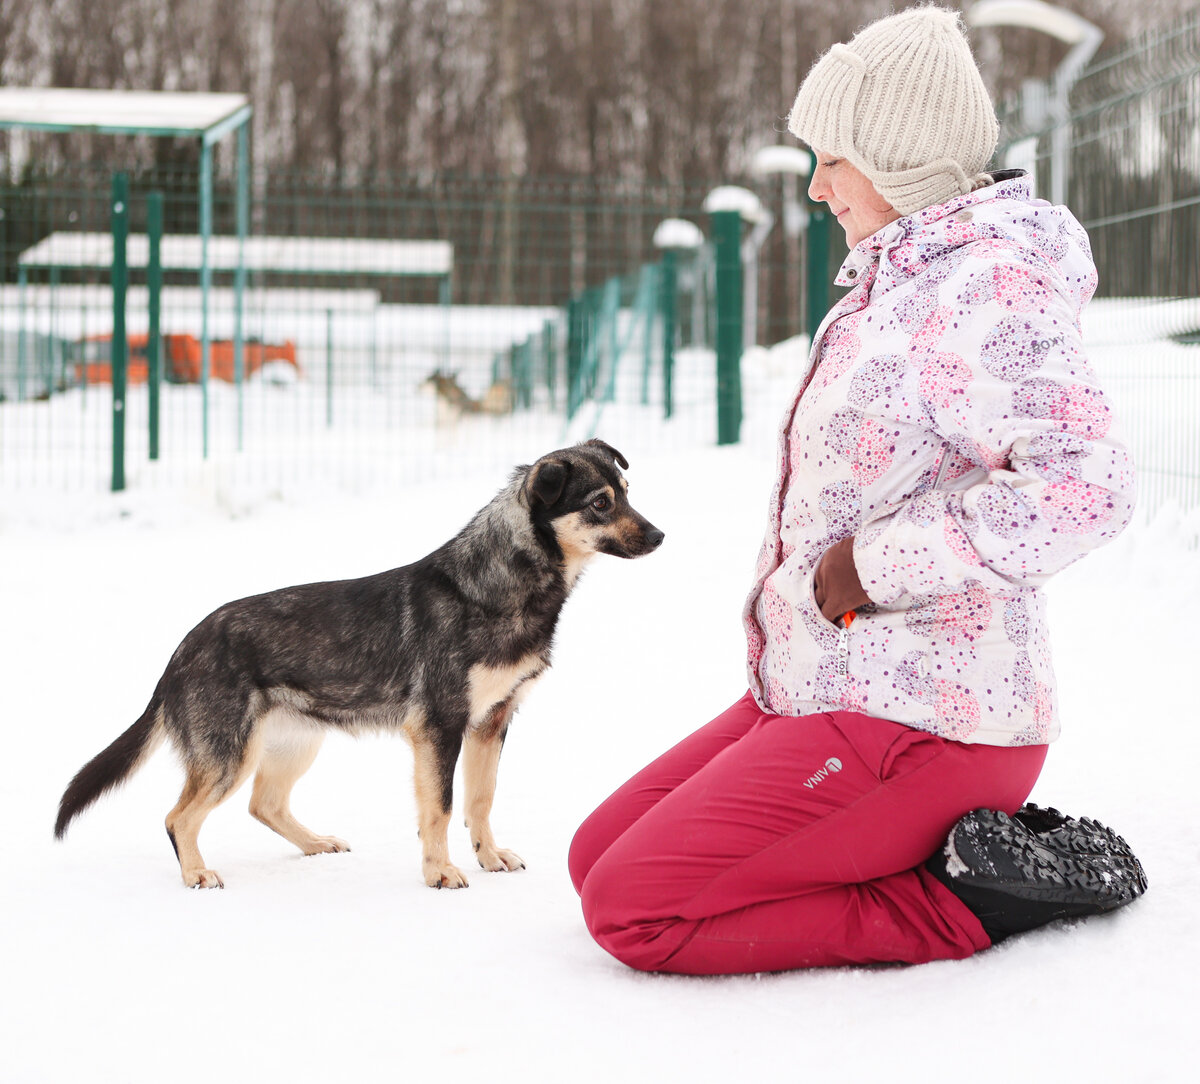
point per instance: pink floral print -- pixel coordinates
(949, 421)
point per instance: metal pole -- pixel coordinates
(575, 331)
(154, 278)
(727, 238)
(239, 280)
(329, 368)
(81, 350)
(373, 358)
(549, 345)
(205, 284)
(646, 305)
(444, 303)
(119, 346)
(819, 229)
(666, 302)
(58, 375)
(612, 313)
(22, 283)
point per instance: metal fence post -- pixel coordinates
(57, 376)
(520, 365)
(819, 227)
(611, 315)
(329, 368)
(575, 330)
(646, 304)
(549, 343)
(666, 304)
(206, 215)
(727, 238)
(22, 284)
(119, 347)
(154, 278)
(239, 280)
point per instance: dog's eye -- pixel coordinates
(600, 504)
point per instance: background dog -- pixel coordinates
(453, 400)
(442, 651)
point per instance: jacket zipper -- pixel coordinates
(843, 665)
(941, 468)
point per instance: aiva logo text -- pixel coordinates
(831, 765)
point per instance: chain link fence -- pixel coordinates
(390, 330)
(552, 316)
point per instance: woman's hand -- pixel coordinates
(836, 585)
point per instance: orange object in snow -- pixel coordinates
(181, 358)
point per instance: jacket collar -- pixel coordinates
(910, 243)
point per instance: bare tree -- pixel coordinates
(660, 90)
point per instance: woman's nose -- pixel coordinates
(818, 190)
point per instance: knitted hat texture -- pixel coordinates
(904, 103)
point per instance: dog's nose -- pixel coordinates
(654, 537)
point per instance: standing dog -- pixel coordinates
(441, 650)
(454, 402)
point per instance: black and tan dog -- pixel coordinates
(441, 651)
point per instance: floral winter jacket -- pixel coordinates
(950, 422)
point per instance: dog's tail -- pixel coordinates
(111, 767)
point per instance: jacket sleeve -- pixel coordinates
(1032, 475)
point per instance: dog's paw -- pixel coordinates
(203, 878)
(444, 876)
(326, 845)
(498, 860)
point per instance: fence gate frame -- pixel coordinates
(158, 114)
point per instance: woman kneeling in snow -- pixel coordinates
(947, 452)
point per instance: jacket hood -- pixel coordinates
(1004, 216)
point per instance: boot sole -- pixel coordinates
(1081, 865)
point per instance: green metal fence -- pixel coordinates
(550, 316)
(341, 350)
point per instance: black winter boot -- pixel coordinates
(1017, 873)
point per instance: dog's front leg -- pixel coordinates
(433, 775)
(481, 761)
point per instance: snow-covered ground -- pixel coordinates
(346, 967)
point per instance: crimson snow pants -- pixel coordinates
(766, 842)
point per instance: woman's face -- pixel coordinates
(851, 197)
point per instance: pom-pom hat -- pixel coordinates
(904, 103)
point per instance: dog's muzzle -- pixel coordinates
(642, 538)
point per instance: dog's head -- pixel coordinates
(579, 497)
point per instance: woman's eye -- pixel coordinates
(600, 504)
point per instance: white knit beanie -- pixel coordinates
(904, 103)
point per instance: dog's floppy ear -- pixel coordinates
(621, 461)
(545, 481)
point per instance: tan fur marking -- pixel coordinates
(290, 745)
(577, 539)
(491, 685)
(481, 761)
(432, 820)
(627, 532)
(203, 791)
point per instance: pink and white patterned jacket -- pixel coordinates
(950, 422)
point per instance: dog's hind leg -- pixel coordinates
(204, 790)
(284, 760)
(433, 775)
(481, 761)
